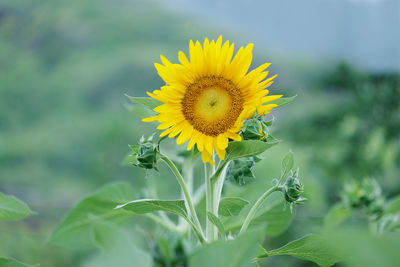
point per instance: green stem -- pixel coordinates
(210, 228)
(255, 207)
(217, 185)
(187, 173)
(187, 195)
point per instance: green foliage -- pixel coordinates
(217, 222)
(233, 253)
(311, 247)
(287, 164)
(143, 206)
(12, 208)
(357, 248)
(241, 170)
(273, 215)
(283, 101)
(247, 148)
(230, 206)
(337, 214)
(393, 205)
(6, 262)
(148, 102)
(77, 228)
(117, 247)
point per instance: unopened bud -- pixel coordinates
(293, 189)
(255, 128)
(145, 153)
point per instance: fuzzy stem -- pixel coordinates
(211, 230)
(188, 198)
(256, 205)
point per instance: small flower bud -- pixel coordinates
(255, 128)
(145, 153)
(293, 189)
(366, 194)
(356, 194)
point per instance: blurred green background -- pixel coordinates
(65, 123)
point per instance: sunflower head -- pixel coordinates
(207, 97)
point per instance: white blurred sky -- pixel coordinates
(365, 33)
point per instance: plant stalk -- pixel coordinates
(211, 229)
(188, 198)
(255, 207)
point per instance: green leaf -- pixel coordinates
(273, 215)
(118, 247)
(336, 215)
(233, 253)
(311, 247)
(12, 208)
(148, 102)
(247, 148)
(143, 206)
(393, 205)
(7, 262)
(287, 163)
(262, 253)
(129, 160)
(76, 229)
(231, 206)
(216, 221)
(283, 101)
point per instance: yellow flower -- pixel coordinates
(206, 99)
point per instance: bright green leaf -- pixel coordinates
(143, 206)
(148, 102)
(230, 206)
(234, 253)
(7, 262)
(247, 148)
(12, 208)
(76, 230)
(217, 222)
(311, 247)
(283, 101)
(287, 163)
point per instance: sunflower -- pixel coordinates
(206, 98)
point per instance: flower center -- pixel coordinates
(212, 105)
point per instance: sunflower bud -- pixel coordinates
(365, 194)
(241, 170)
(293, 189)
(255, 128)
(145, 153)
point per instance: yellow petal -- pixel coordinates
(222, 141)
(185, 135)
